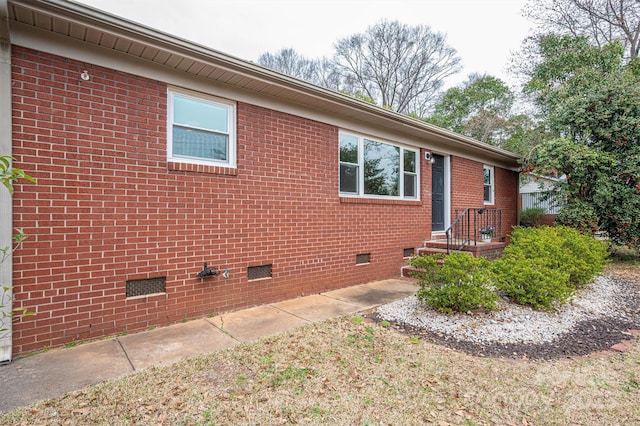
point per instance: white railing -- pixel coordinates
(539, 199)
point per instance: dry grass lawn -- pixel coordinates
(348, 371)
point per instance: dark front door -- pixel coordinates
(437, 193)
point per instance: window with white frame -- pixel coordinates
(372, 168)
(201, 129)
(489, 184)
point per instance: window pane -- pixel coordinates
(409, 185)
(487, 176)
(348, 148)
(487, 193)
(409, 161)
(381, 168)
(199, 144)
(348, 178)
(200, 114)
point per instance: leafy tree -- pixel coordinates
(601, 21)
(589, 96)
(479, 108)
(523, 133)
(399, 66)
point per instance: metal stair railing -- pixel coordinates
(465, 229)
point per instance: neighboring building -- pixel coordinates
(534, 193)
(154, 155)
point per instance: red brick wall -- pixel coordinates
(109, 208)
(506, 190)
(466, 185)
(549, 219)
(467, 188)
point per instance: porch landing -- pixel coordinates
(490, 250)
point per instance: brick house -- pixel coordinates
(154, 155)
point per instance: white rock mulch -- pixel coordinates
(606, 296)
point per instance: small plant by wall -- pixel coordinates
(8, 176)
(532, 216)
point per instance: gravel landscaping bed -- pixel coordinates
(600, 316)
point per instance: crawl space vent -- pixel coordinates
(408, 252)
(363, 258)
(258, 272)
(146, 286)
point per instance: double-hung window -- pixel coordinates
(488, 185)
(201, 130)
(371, 168)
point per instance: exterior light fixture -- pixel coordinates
(429, 157)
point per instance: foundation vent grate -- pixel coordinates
(146, 286)
(258, 272)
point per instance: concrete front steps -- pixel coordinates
(490, 250)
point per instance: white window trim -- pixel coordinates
(231, 123)
(492, 184)
(361, 194)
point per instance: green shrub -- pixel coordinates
(528, 282)
(560, 248)
(543, 266)
(532, 216)
(587, 255)
(458, 282)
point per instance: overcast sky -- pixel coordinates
(484, 32)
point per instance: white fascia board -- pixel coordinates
(417, 132)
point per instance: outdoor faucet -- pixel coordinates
(206, 271)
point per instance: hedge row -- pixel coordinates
(542, 268)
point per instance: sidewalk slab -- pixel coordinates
(164, 346)
(373, 294)
(58, 371)
(316, 307)
(253, 323)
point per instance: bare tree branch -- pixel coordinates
(391, 64)
(399, 66)
(602, 21)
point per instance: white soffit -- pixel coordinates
(94, 27)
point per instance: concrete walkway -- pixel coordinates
(53, 373)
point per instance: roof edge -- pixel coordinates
(105, 21)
